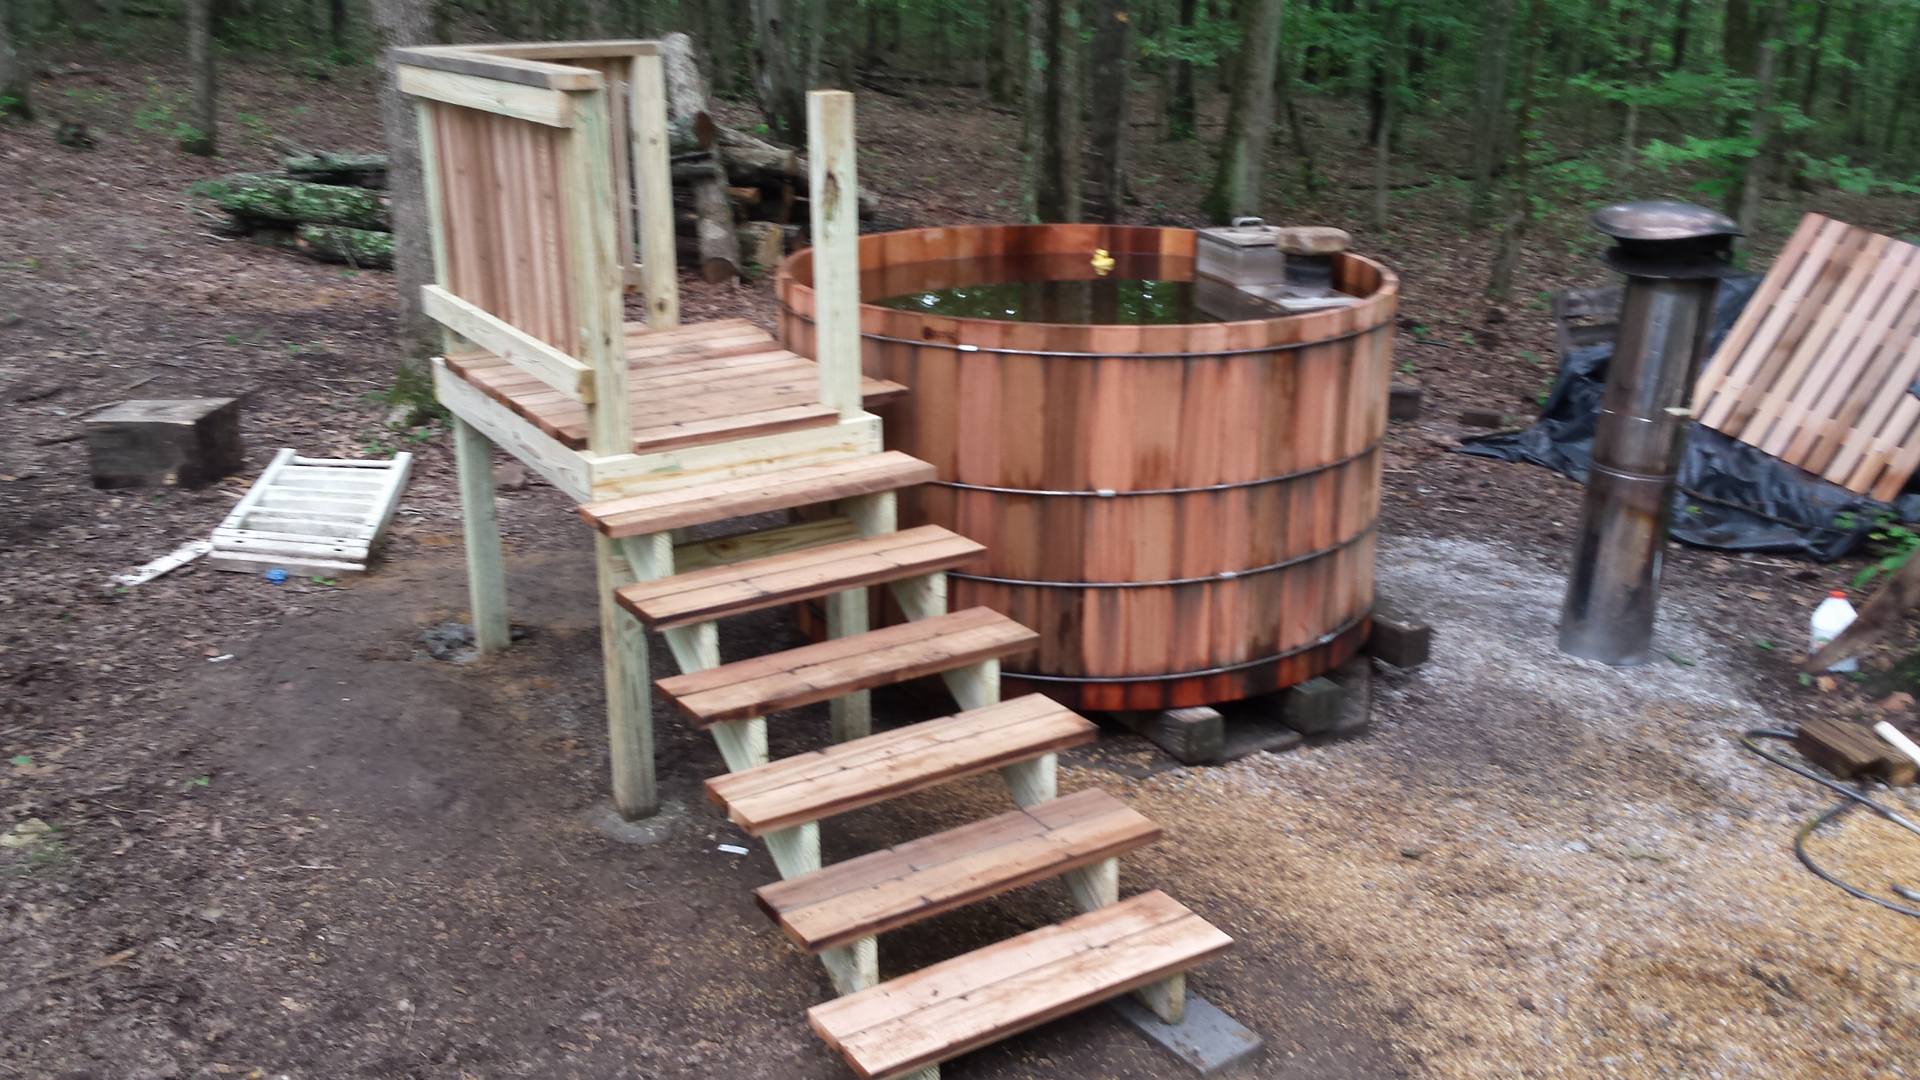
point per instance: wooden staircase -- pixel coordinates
(906, 1026)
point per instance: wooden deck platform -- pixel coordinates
(707, 383)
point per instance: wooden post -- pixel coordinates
(834, 187)
(653, 190)
(480, 525)
(594, 270)
(850, 716)
(623, 646)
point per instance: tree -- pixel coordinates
(1051, 136)
(1388, 82)
(1112, 72)
(1519, 202)
(202, 134)
(786, 50)
(1243, 148)
(401, 23)
(1760, 128)
(16, 78)
(1180, 107)
(1490, 109)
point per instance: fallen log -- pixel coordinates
(351, 170)
(687, 98)
(354, 247)
(296, 202)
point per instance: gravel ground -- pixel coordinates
(1544, 866)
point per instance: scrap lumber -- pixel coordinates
(1851, 751)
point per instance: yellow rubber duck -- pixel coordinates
(1102, 262)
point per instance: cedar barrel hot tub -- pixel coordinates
(1185, 510)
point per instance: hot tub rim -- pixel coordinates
(1283, 333)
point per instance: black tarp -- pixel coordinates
(1730, 495)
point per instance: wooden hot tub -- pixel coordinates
(1185, 512)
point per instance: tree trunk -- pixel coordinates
(16, 72)
(1816, 50)
(202, 135)
(276, 198)
(1490, 110)
(1903, 91)
(1389, 77)
(1519, 208)
(337, 23)
(1112, 71)
(1682, 28)
(1180, 110)
(1243, 147)
(399, 24)
(1740, 39)
(779, 73)
(1051, 139)
(687, 101)
(1754, 178)
(1855, 48)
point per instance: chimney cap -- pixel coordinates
(1663, 219)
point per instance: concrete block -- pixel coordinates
(1207, 1039)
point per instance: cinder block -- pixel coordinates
(188, 442)
(1193, 736)
(1356, 700)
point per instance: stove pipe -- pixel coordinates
(1673, 255)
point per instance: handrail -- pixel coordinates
(479, 63)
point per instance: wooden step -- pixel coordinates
(912, 881)
(735, 589)
(702, 504)
(849, 775)
(788, 680)
(943, 1011)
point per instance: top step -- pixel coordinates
(784, 489)
(943, 1011)
(703, 504)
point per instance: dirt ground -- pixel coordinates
(285, 841)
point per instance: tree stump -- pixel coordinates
(185, 442)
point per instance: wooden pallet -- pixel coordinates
(317, 516)
(1817, 369)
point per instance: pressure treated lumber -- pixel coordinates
(796, 677)
(943, 1011)
(850, 775)
(723, 591)
(889, 889)
(681, 508)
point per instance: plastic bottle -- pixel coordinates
(1832, 616)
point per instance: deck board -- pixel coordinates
(708, 382)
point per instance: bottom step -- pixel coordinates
(943, 1011)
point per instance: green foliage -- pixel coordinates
(1893, 544)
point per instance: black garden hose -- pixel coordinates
(1853, 798)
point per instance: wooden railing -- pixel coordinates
(542, 180)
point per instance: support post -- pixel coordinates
(623, 645)
(653, 190)
(833, 185)
(480, 525)
(594, 270)
(851, 715)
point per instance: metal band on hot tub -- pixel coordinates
(1110, 493)
(1320, 642)
(1224, 575)
(1252, 350)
